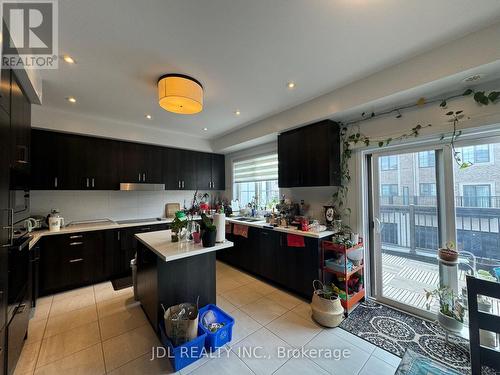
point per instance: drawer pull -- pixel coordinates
(76, 236)
(147, 228)
(76, 260)
(75, 243)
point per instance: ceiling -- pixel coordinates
(244, 52)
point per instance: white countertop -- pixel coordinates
(263, 224)
(160, 243)
(88, 227)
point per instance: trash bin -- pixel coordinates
(133, 265)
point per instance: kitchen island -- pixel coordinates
(169, 273)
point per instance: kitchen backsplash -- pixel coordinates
(314, 197)
(115, 205)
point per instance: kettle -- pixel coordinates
(55, 221)
(30, 224)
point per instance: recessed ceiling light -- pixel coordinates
(69, 59)
(71, 99)
(205, 129)
(237, 112)
(290, 85)
(149, 117)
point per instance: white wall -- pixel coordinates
(53, 119)
(115, 205)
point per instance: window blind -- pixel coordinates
(260, 168)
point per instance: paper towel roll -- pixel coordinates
(220, 223)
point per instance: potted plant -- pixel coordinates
(448, 253)
(209, 231)
(451, 312)
(177, 227)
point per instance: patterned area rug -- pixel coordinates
(395, 332)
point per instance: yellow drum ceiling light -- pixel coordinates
(179, 93)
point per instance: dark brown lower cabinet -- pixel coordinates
(266, 254)
(73, 260)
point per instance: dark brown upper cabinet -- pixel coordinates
(309, 156)
(74, 162)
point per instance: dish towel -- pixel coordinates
(294, 240)
(240, 230)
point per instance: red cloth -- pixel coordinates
(240, 230)
(294, 240)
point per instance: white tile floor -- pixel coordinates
(96, 330)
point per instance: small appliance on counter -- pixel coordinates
(35, 223)
(55, 221)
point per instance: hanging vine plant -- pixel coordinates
(350, 139)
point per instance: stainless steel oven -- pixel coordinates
(19, 200)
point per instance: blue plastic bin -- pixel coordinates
(185, 354)
(223, 335)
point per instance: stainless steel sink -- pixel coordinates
(249, 219)
(91, 222)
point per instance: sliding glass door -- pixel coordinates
(420, 199)
(406, 230)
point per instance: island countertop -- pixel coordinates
(160, 243)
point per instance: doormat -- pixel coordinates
(395, 331)
(122, 283)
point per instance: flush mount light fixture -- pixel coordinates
(181, 94)
(290, 85)
(149, 117)
(205, 129)
(69, 59)
(237, 112)
(71, 99)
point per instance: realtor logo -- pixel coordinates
(30, 34)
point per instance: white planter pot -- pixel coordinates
(449, 323)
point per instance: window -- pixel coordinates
(256, 179)
(479, 154)
(389, 190)
(476, 195)
(426, 159)
(388, 163)
(428, 189)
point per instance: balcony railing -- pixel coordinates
(413, 228)
(460, 201)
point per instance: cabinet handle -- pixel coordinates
(179, 183)
(146, 228)
(93, 185)
(183, 184)
(87, 182)
(118, 235)
(139, 177)
(75, 243)
(55, 182)
(76, 260)
(76, 236)
(144, 177)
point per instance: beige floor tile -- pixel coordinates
(105, 284)
(262, 287)
(72, 303)
(227, 364)
(268, 344)
(89, 361)
(27, 360)
(41, 311)
(69, 342)
(64, 322)
(285, 299)
(44, 300)
(123, 321)
(36, 328)
(73, 293)
(241, 296)
(115, 305)
(264, 310)
(294, 329)
(105, 293)
(244, 278)
(224, 304)
(144, 366)
(304, 310)
(128, 346)
(225, 284)
(244, 326)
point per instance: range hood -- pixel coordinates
(125, 186)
